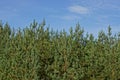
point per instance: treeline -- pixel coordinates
(38, 53)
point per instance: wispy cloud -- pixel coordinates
(78, 9)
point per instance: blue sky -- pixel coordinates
(93, 15)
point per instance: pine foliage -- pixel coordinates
(38, 53)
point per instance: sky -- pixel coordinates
(92, 15)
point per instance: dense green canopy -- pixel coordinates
(38, 53)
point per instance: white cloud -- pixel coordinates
(78, 9)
